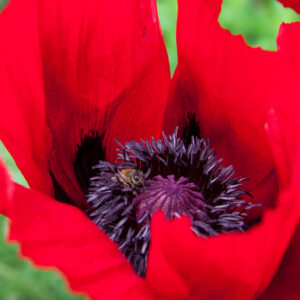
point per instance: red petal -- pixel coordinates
(236, 266)
(6, 189)
(288, 42)
(22, 115)
(230, 266)
(295, 4)
(286, 282)
(106, 64)
(230, 87)
(55, 234)
(284, 146)
(285, 117)
(102, 65)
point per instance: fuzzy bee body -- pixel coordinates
(130, 177)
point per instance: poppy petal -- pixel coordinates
(287, 117)
(294, 4)
(58, 235)
(92, 65)
(284, 146)
(286, 282)
(22, 116)
(104, 62)
(229, 86)
(288, 42)
(234, 266)
(6, 189)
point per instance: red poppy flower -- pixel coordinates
(75, 76)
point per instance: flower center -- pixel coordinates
(173, 197)
(177, 176)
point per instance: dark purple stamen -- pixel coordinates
(179, 179)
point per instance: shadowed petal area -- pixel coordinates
(285, 284)
(59, 235)
(230, 87)
(85, 65)
(294, 4)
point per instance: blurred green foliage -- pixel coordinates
(19, 280)
(2, 3)
(167, 11)
(257, 20)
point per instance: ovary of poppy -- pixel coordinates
(102, 66)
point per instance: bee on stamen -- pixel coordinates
(130, 177)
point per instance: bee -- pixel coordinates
(130, 177)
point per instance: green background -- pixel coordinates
(257, 20)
